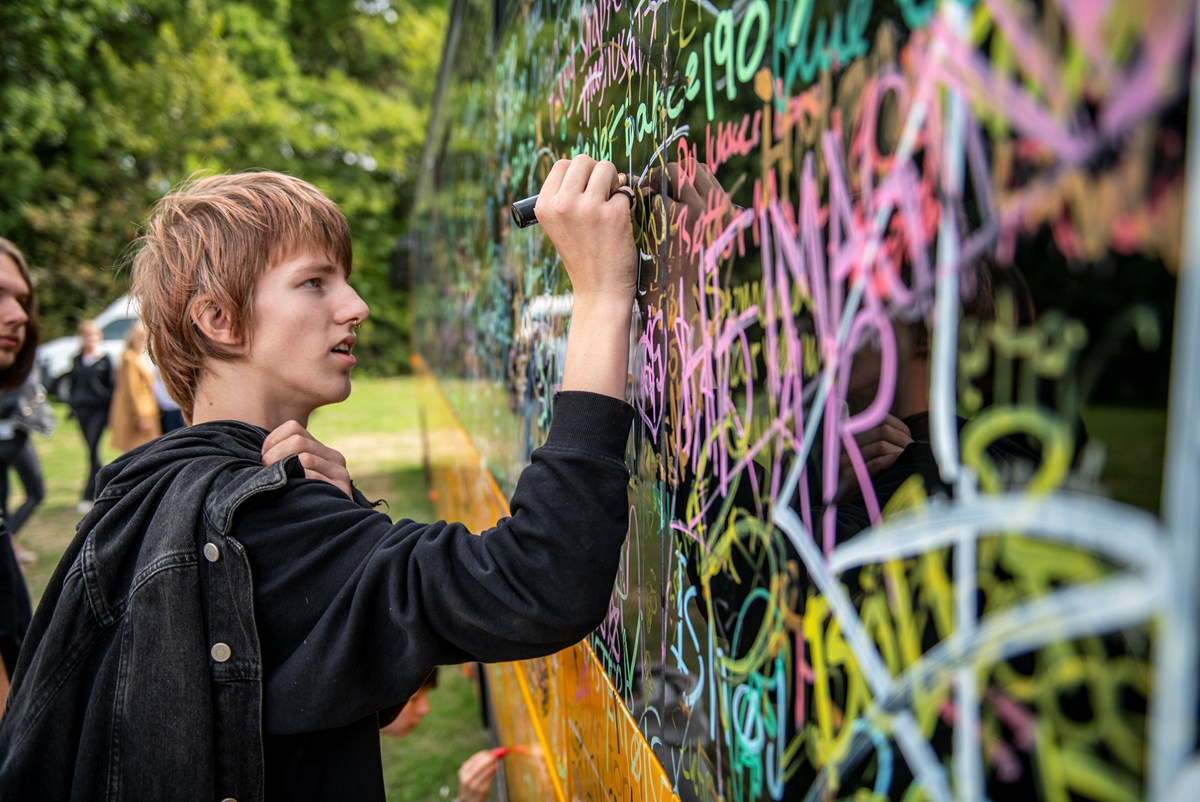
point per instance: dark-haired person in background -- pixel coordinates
(23, 411)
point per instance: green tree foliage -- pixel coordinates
(106, 104)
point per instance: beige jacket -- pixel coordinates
(133, 417)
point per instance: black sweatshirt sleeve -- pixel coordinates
(352, 610)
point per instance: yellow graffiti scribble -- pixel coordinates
(1057, 441)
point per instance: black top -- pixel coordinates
(91, 385)
(15, 608)
(220, 628)
(330, 578)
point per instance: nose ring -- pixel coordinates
(354, 323)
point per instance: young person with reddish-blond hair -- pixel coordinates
(233, 615)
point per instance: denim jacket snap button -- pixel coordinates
(212, 552)
(221, 652)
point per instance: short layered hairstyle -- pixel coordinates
(208, 242)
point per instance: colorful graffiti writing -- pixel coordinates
(912, 501)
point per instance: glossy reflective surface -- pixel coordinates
(913, 506)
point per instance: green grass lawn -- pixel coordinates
(378, 431)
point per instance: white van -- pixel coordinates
(54, 358)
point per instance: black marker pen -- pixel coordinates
(522, 212)
(524, 217)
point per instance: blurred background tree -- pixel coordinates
(107, 104)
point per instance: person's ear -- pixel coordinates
(215, 323)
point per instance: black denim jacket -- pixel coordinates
(125, 613)
(142, 676)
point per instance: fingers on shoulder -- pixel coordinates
(311, 461)
(283, 447)
(283, 432)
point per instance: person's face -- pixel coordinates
(14, 295)
(89, 340)
(305, 312)
(411, 714)
(863, 381)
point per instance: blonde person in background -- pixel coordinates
(133, 418)
(91, 396)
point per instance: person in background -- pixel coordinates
(170, 416)
(18, 343)
(476, 774)
(133, 417)
(91, 395)
(23, 411)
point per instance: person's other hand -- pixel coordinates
(319, 460)
(696, 209)
(700, 192)
(475, 776)
(590, 222)
(880, 448)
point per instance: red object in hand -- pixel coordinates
(499, 752)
